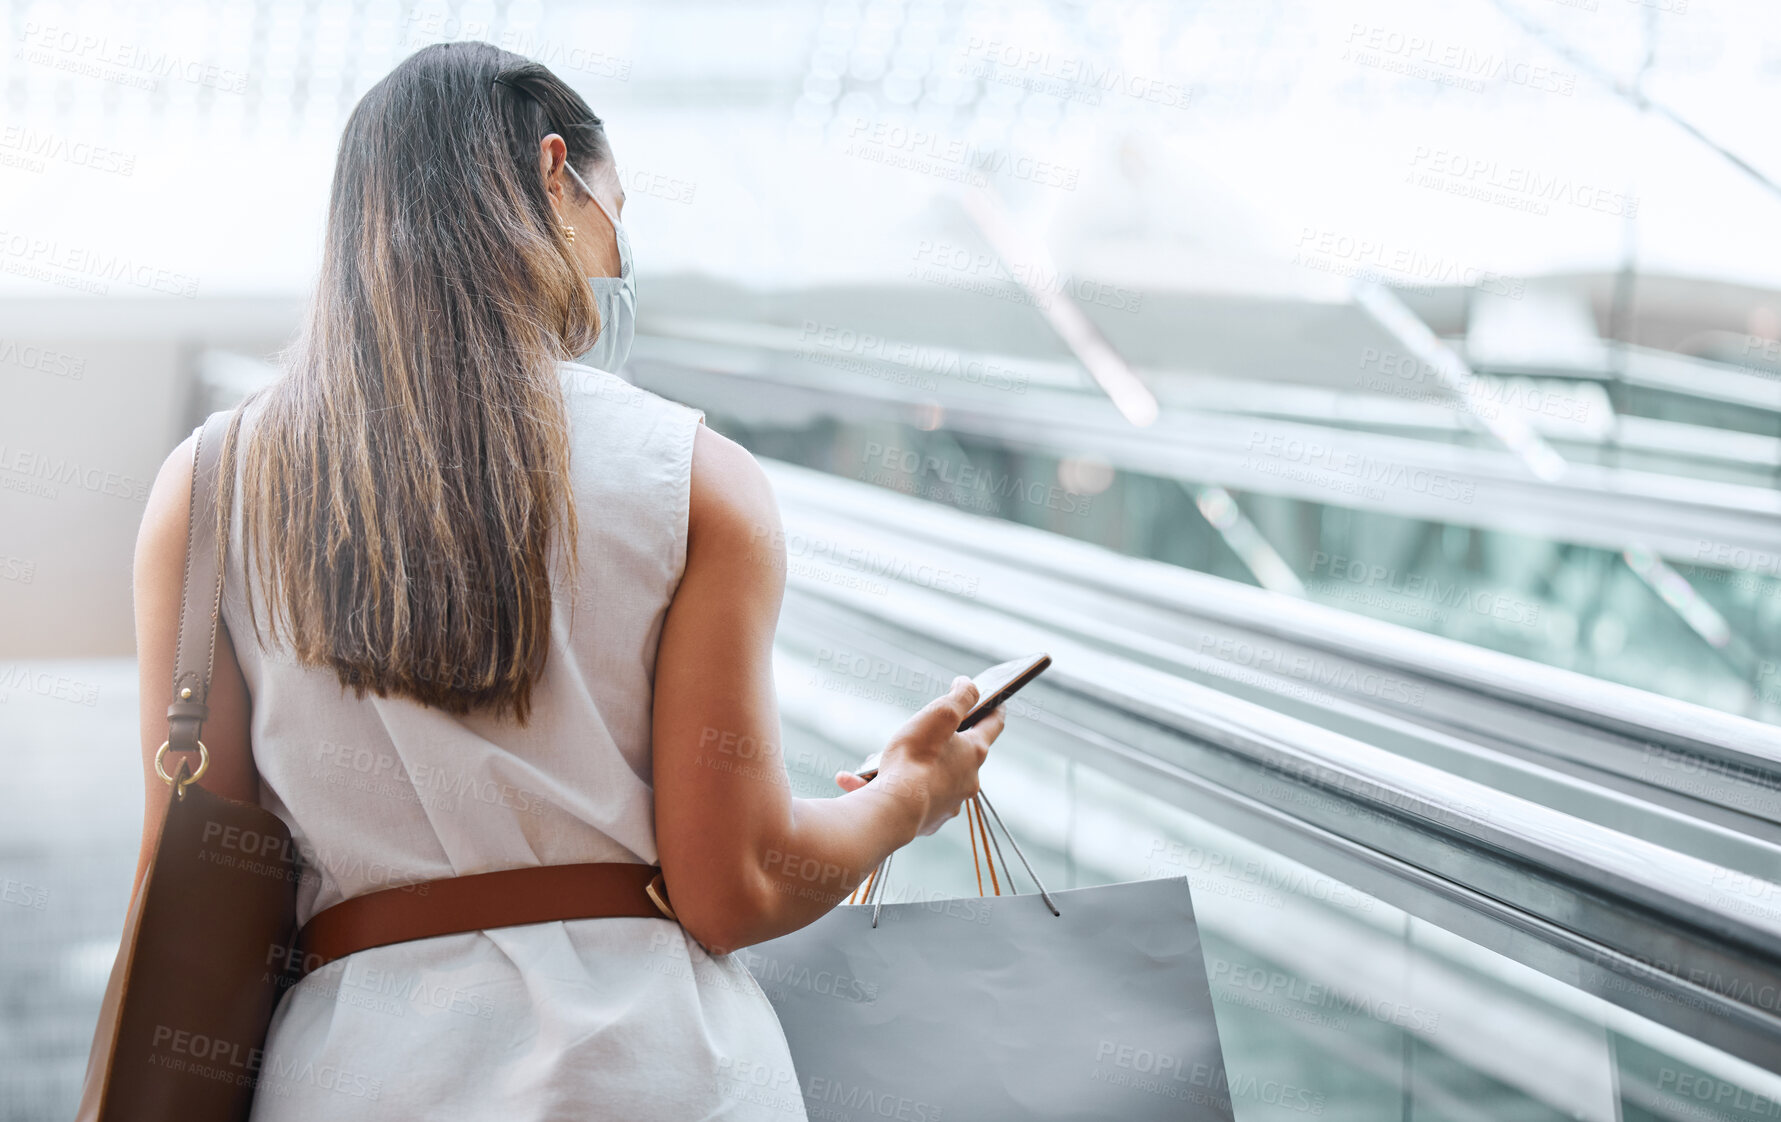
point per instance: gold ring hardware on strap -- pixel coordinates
(203, 766)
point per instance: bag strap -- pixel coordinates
(201, 596)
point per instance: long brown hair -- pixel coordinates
(408, 475)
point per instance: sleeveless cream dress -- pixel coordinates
(616, 1018)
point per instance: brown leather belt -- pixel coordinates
(455, 905)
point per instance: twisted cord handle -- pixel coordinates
(871, 891)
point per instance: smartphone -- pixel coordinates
(994, 686)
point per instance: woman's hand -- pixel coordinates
(930, 760)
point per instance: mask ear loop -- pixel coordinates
(568, 230)
(589, 192)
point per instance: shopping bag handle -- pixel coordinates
(873, 888)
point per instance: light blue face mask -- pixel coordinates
(615, 296)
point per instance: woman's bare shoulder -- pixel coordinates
(732, 513)
(731, 492)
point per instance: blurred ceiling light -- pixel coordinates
(1514, 431)
(1674, 589)
(1510, 428)
(1027, 262)
(1220, 508)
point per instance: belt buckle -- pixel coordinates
(657, 889)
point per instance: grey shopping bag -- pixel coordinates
(981, 1008)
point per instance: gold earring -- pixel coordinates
(568, 233)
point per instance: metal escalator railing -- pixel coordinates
(1678, 939)
(1432, 698)
(764, 376)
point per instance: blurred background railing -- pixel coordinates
(1374, 407)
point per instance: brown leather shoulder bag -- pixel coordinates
(204, 949)
(210, 939)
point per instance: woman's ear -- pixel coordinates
(553, 153)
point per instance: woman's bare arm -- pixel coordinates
(744, 861)
(159, 577)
